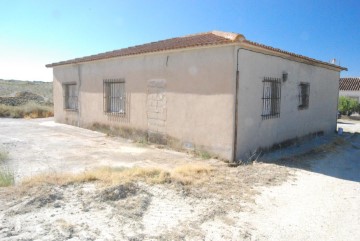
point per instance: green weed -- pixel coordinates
(3, 156)
(6, 177)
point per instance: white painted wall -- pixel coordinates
(253, 131)
(199, 93)
(199, 87)
(352, 94)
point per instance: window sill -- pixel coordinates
(116, 113)
(71, 110)
(270, 116)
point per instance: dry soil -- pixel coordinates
(306, 192)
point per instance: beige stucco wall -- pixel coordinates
(352, 94)
(199, 87)
(253, 131)
(196, 89)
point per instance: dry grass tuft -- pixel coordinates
(196, 180)
(193, 169)
(303, 160)
(49, 178)
(29, 110)
(186, 175)
(331, 146)
(192, 173)
(203, 154)
(137, 135)
(148, 175)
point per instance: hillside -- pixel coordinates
(9, 88)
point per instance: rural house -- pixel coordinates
(350, 87)
(214, 91)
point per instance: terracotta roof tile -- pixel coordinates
(195, 40)
(203, 39)
(350, 84)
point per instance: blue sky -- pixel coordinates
(34, 32)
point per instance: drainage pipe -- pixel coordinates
(78, 96)
(236, 106)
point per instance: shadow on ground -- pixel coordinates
(335, 156)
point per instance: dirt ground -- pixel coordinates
(41, 145)
(306, 192)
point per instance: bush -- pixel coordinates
(348, 105)
(357, 108)
(29, 110)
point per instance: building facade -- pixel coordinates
(212, 91)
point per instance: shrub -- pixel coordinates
(29, 110)
(348, 105)
(357, 108)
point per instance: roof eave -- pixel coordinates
(288, 55)
(229, 38)
(79, 61)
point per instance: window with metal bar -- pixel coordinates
(70, 96)
(271, 98)
(304, 93)
(114, 97)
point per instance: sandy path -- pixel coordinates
(315, 207)
(323, 203)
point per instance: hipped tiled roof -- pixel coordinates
(203, 39)
(189, 41)
(350, 84)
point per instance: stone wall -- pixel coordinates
(156, 111)
(22, 98)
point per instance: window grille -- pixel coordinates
(114, 97)
(304, 92)
(70, 97)
(271, 98)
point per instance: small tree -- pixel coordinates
(357, 108)
(348, 105)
